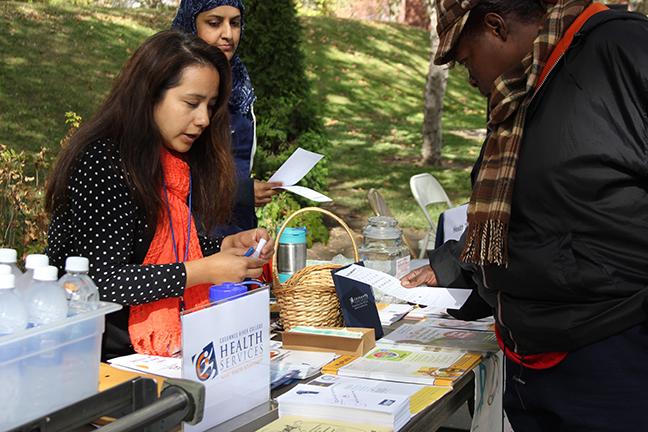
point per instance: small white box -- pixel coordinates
(46, 368)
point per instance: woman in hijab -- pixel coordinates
(220, 24)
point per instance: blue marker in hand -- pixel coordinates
(255, 253)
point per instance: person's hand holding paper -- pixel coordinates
(419, 277)
(294, 169)
(388, 284)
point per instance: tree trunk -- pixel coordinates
(435, 88)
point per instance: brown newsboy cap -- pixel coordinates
(452, 16)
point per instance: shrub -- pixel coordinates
(23, 220)
(287, 116)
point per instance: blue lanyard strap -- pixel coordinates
(166, 198)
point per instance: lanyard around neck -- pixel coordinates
(166, 197)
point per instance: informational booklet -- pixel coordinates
(485, 324)
(440, 297)
(282, 377)
(345, 404)
(390, 313)
(334, 367)
(308, 363)
(420, 313)
(357, 302)
(170, 367)
(294, 169)
(423, 334)
(420, 396)
(420, 365)
(339, 332)
(305, 424)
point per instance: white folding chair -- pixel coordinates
(427, 190)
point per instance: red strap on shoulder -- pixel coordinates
(567, 38)
(532, 361)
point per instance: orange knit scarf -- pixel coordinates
(154, 327)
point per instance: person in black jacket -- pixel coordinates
(557, 241)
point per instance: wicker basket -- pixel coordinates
(309, 297)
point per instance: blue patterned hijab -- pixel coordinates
(242, 96)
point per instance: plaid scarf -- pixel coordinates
(489, 211)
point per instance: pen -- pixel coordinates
(249, 252)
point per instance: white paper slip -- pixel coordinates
(170, 367)
(440, 297)
(294, 169)
(307, 193)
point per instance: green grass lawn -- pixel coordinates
(368, 78)
(57, 59)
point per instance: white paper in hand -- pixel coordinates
(441, 297)
(307, 193)
(294, 169)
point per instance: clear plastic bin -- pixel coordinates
(46, 368)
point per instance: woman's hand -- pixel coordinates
(420, 276)
(263, 192)
(228, 265)
(247, 239)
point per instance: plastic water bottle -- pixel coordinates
(46, 304)
(10, 257)
(81, 291)
(13, 318)
(45, 300)
(32, 262)
(83, 296)
(13, 315)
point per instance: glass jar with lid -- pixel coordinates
(383, 249)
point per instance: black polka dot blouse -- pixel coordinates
(103, 224)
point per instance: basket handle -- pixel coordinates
(306, 210)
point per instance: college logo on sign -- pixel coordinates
(205, 363)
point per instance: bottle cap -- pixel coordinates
(293, 236)
(7, 281)
(226, 290)
(5, 269)
(34, 261)
(77, 264)
(46, 273)
(8, 256)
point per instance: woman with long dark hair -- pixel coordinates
(139, 185)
